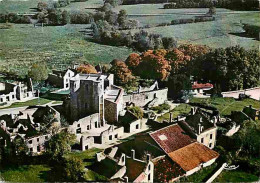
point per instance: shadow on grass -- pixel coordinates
(245, 35)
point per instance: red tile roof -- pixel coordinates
(192, 156)
(171, 138)
(201, 86)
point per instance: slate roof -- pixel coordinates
(171, 138)
(191, 156)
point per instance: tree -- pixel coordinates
(19, 146)
(133, 60)
(153, 65)
(38, 72)
(73, 169)
(60, 144)
(87, 69)
(42, 6)
(122, 17)
(65, 18)
(212, 10)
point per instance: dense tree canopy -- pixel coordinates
(59, 144)
(123, 75)
(87, 69)
(232, 68)
(38, 72)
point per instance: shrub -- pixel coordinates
(137, 111)
(161, 108)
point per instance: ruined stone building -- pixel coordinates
(201, 126)
(61, 79)
(13, 92)
(118, 167)
(31, 125)
(147, 96)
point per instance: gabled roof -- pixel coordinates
(106, 167)
(171, 138)
(134, 168)
(193, 121)
(191, 156)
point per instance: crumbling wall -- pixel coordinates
(144, 98)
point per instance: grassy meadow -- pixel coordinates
(25, 173)
(223, 32)
(59, 46)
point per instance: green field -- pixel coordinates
(59, 46)
(236, 176)
(26, 173)
(214, 34)
(179, 110)
(219, 33)
(226, 105)
(33, 102)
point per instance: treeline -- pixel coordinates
(230, 4)
(14, 18)
(140, 41)
(233, 68)
(189, 20)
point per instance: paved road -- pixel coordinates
(254, 93)
(18, 109)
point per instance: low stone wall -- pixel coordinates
(214, 176)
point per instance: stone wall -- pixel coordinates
(144, 98)
(112, 134)
(111, 112)
(86, 143)
(85, 98)
(209, 137)
(85, 124)
(36, 144)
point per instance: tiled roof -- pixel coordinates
(191, 156)
(171, 138)
(166, 170)
(201, 86)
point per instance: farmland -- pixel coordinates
(223, 32)
(59, 46)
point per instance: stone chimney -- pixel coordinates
(192, 110)
(201, 120)
(148, 157)
(133, 154)
(126, 179)
(199, 128)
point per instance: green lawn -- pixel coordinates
(180, 109)
(87, 157)
(26, 173)
(59, 46)
(236, 176)
(33, 102)
(201, 176)
(226, 105)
